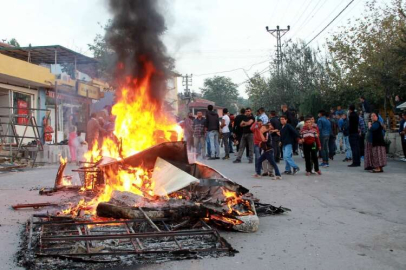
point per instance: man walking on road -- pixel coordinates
(225, 130)
(247, 137)
(289, 136)
(353, 130)
(213, 127)
(324, 126)
(199, 139)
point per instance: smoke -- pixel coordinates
(135, 35)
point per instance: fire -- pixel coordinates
(235, 201)
(62, 160)
(139, 124)
(66, 181)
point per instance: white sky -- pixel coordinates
(204, 36)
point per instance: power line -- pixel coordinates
(232, 70)
(338, 15)
(310, 16)
(313, 37)
(325, 19)
(301, 15)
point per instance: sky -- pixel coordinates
(206, 37)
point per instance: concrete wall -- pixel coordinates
(25, 71)
(396, 145)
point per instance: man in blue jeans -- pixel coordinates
(324, 126)
(289, 136)
(213, 127)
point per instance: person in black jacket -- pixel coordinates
(237, 130)
(274, 120)
(353, 130)
(213, 127)
(289, 136)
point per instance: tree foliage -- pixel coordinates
(370, 49)
(221, 90)
(14, 42)
(365, 57)
(105, 55)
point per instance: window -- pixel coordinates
(22, 106)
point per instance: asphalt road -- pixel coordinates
(345, 219)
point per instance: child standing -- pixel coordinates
(311, 144)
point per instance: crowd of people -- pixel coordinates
(266, 139)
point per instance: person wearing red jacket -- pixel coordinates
(311, 144)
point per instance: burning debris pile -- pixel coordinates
(171, 214)
(138, 195)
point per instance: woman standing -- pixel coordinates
(375, 152)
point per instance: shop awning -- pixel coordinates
(402, 106)
(47, 55)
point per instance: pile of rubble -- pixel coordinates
(178, 219)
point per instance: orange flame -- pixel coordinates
(232, 199)
(62, 160)
(139, 124)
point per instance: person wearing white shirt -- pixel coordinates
(225, 122)
(263, 116)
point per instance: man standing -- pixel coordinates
(199, 135)
(353, 130)
(365, 108)
(213, 127)
(225, 122)
(94, 131)
(237, 128)
(324, 126)
(346, 140)
(287, 113)
(402, 133)
(333, 136)
(289, 136)
(262, 115)
(362, 132)
(340, 147)
(339, 111)
(275, 136)
(189, 131)
(247, 136)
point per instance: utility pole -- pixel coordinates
(186, 81)
(278, 34)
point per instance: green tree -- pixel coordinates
(104, 54)
(14, 42)
(221, 90)
(366, 52)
